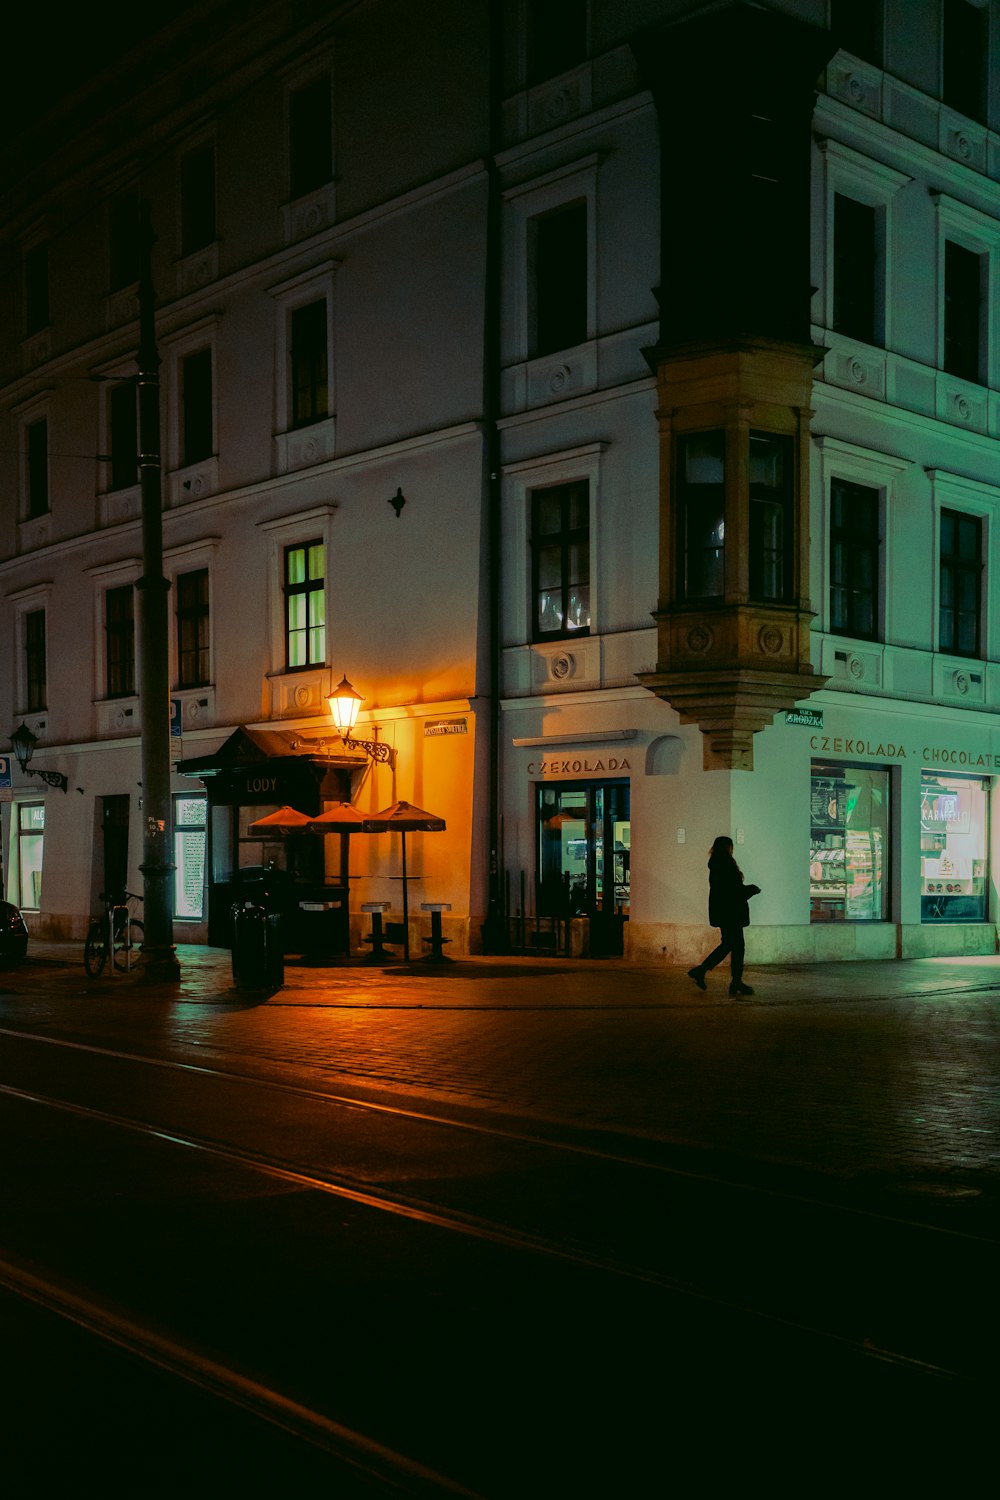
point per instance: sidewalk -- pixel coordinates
(206, 977)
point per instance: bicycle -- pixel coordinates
(125, 932)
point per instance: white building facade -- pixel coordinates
(628, 437)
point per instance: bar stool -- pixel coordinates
(379, 954)
(436, 941)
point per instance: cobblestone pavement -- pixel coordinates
(883, 1075)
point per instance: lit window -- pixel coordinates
(30, 841)
(954, 869)
(701, 509)
(189, 857)
(560, 560)
(770, 517)
(305, 605)
(849, 847)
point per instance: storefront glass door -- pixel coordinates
(584, 845)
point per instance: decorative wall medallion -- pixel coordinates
(856, 89)
(559, 379)
(770, 639)
(699, 638)
(557, 107)
(856, 667)
(963, 146)
(963, 408)
(961, 683)
(562, 666)
(301, 696)
(858, 372)
(312, 219)
(121, 718)
(310, 451)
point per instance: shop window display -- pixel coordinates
(848, 878)
(954, 827)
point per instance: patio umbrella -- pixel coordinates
(345, 819)
(285, 820)
(404, 818)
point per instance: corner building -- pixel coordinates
(626, 430)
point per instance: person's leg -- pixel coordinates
(715, 957)
(738, 945)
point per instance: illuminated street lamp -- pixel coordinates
(23, 743)
(345, 701)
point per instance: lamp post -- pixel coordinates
(345, 701)
(23, 743)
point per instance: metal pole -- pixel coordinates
(159, 955)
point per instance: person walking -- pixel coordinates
(729, 910)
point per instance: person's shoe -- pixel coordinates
(740, 989)
(698, 975)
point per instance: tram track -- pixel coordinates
(521, 1240)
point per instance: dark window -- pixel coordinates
(854, 559)
(857, 27)
(701, 510)
(771, 571)
(36, 439)
(963, 305)
(965, 33)
(192, 628)
(36, 289)
(560, 560)
(305, 605)
(557, 37)
(197, 199)
(124, 435)
(961, 583)
(310, 149)
(123, 241)
(560, 281)
(309, 387)
(119, 634)
(196, 400)
(855, 265)
(34, 660)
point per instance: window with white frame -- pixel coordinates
(968, 268)
(964, 52)
(299, 550)
(305, 605)
(857, 299)
(119, 641)
(860, 488)
(36, 467)
(550, 506)
(304, 356)
(551, 235)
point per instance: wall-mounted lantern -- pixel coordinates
(345, 701)
(23, 743)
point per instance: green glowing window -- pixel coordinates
(305, 605)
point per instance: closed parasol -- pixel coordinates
(404, 818)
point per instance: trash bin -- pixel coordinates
(249, 943)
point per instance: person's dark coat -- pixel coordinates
(728, 897)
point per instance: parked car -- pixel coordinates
(13, 934)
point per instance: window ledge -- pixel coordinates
(302, 447)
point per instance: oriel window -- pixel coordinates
(305, 605)
(196, 401)
(309, 364)
(854, 559)
(560, 279)
(560, 560)
(770, 517)
(192, 628)
(34, 661)
(310, 137)
(119, 641)
(961, 573)
(701, 508)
